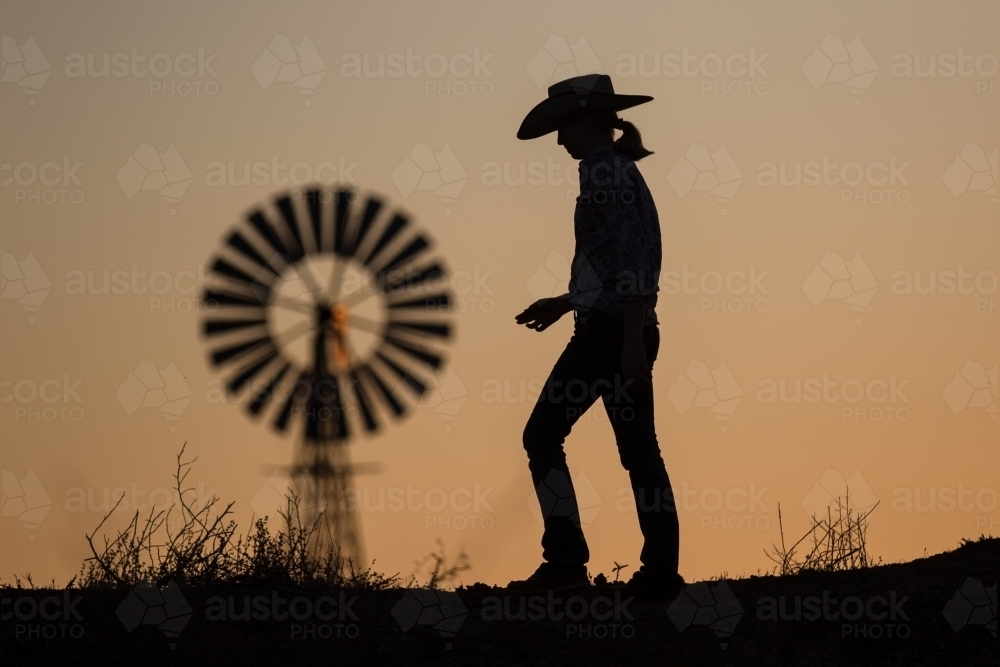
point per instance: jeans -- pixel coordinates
(591, 367)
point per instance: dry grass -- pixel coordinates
(440, 573)
(198, 545)
(837, 542)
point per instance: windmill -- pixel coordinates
(329, 309)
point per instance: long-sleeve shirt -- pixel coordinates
(618, 249)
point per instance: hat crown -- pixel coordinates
(590, 92)
(583, 85)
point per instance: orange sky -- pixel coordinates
(768, 281)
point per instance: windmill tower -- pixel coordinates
(331, 310)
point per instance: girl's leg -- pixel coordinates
(568, 392)
(631, 416)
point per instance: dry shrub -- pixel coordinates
(198, 545)
(440, 573)
(837, 542)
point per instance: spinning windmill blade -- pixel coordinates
(331, 312)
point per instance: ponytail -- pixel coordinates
(630, 143)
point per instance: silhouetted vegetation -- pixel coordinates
(837, 542)
(204, 548)
(440, 573)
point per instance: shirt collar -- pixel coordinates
(602, 154)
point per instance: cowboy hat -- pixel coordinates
(573, 96)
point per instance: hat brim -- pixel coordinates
(542, 119)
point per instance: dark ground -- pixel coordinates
(917, 633)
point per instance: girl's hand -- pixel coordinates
(543, 313)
